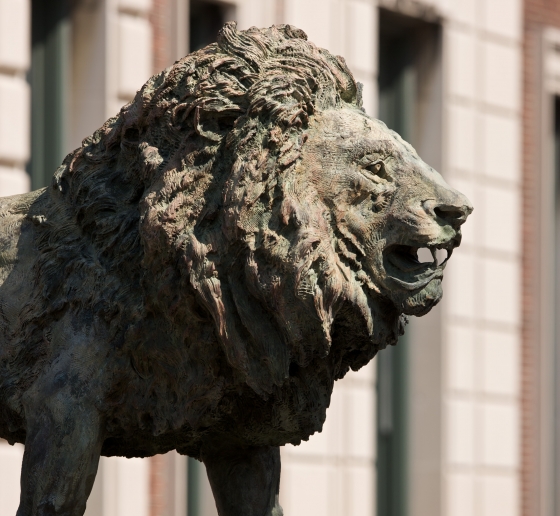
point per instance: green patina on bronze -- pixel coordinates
(204, 268)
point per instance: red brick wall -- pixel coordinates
(537, 15)
(160, 20)
(157, 485)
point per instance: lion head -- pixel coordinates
(259, 220)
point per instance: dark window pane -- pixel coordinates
(408, 55)
(49, 79)
(206, 19)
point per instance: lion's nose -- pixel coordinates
(454, 213)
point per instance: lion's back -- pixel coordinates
(14, 211)
(18, 218)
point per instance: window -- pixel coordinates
(206, 19)
(409, 103)
(556, 374)
(49, 78)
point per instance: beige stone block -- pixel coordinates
(502, 150)
(10, 466)
(460, 435)
(338, 32)
(305, 489)
(121, 488)
(360, 431)
(137, 6)
(133, 487)
(338, 490)
(362, 36)
(502, 75)
(501, 291)
(459, 284)
(14, 34)
(360, 494)
(503, 17)
(460, 496)
(461, 59)
(502, 219)
(13, 181)
(501, 363)
(462, 130)
(135, 54)
(461, 357)
(499, 495)
(500, 434)
(314, 17)
(256, 13)
(462, 11)
(14, 119)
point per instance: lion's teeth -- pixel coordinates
(442, 255)
(433, 250)
(424, 255)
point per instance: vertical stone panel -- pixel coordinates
(502, 75)
(483, 159)
(362, 37)
(14, 34)
(14, 119)
(460, 434)
(461, 46)
(135, 56)
(503, 17)
(15, 42)
(460, 495)
(502, 151)
(501, 363)
(10, 464)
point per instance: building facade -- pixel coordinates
(441, 425)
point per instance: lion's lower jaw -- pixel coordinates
(423, 301)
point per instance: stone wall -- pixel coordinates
(14, 95)
(482, 321)
(469, 396)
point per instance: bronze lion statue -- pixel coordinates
(205, 266)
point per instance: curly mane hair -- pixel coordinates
(186, 226)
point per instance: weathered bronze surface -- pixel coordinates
(205, 266)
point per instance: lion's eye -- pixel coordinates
(375, 170)
(376, 167)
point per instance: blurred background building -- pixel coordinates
(463, 417)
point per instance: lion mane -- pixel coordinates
(186, 224)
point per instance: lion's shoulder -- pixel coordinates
(14, 211)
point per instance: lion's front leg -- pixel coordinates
(245, 481)
(62, 450)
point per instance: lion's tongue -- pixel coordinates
(406, 260)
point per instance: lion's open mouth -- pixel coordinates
(408, 258)
(413, 267)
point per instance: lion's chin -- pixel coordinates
(421, 302)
